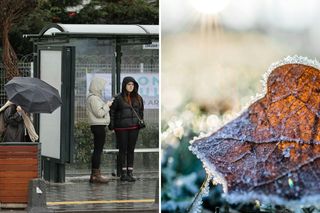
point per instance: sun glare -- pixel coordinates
(209, 7)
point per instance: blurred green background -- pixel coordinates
(214, 55)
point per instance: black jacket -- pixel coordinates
(121, 113)
(15, 131)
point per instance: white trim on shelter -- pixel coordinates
(103, 29)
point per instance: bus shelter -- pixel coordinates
(68, 56)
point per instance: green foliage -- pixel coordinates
(181, 177)
(32, 23)
(96, 12)
(149, 136)
(119, 12)
(83, 142)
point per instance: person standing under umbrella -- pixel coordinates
(19, 128)
(124, 120)
(98, 117)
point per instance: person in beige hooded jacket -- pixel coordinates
(99, 118)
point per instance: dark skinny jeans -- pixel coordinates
(126, 141)
(99, 136)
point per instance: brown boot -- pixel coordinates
(96, 177)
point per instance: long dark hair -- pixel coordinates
(134, 95)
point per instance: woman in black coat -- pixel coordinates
(15, 131)
(125, 123)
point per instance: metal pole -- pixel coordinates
(118, 54)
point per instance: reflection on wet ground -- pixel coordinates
(77, 194)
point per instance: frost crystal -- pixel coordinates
(204, 191)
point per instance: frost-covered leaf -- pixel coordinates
(271, 151)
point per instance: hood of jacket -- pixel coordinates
(125, 81)
(97, 86)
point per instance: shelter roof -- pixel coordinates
(96, 30)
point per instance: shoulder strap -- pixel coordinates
(136, 113)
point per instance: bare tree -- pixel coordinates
(12, 11)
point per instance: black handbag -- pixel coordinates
(141, 122)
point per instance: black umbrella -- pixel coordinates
(33, 94)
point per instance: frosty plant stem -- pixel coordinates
(197, 201)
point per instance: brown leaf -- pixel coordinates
(273, 148)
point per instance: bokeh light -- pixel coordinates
(209, 7)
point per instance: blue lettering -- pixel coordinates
(144, 91)
(143, 81)
(156, 91)
(155, 80)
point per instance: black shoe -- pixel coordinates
(130, 176)
(124, 176)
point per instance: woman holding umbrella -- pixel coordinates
(27, 95)
(19, 128)
(15, 131)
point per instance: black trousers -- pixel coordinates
(126, 141)
(99, 137)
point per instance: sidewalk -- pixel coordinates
(78, 195)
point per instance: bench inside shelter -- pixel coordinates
(115, 152)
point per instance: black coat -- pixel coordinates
(121, 113)
(15, 131)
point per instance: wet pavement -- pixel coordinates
(78, 195)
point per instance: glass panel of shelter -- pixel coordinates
(142, 63)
